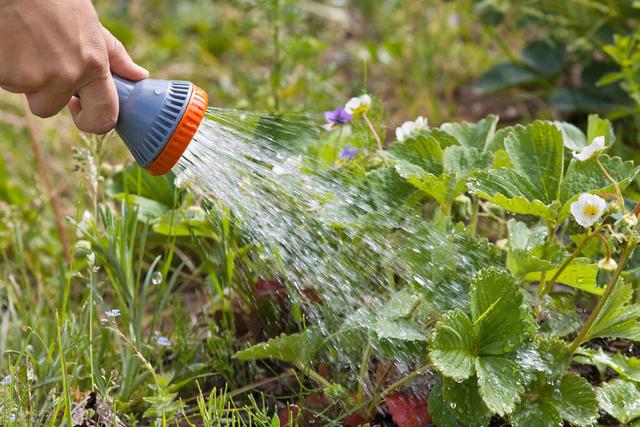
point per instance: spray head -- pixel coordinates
(158, 119)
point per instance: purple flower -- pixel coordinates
(6, 380)
(348, 153)
(336, 118)
(163, 342)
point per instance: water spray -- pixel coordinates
(158, 119)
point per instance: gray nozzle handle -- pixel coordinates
(150, 111)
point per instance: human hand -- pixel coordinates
(53, 50)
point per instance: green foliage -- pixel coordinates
(538, 62)
(621, 399)
(538, 184)
(573, 400)
(627, 367)
(439, 162)
(298, 349)
(482, 343)
(619, 316)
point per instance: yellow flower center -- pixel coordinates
(590, 210)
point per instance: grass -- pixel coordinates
(56, 342)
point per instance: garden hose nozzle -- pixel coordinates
(158, 119)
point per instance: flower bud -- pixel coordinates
(607, 264)
(613, 207)
(462, 205)
(630, 220)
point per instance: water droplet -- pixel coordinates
(157, 91)
(156, 278)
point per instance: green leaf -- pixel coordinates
(298, 349)
(440, 410)
(521, 237)
(553, 352)
(147, 210)
(529, 251)
(619, 318)
(537, 153)
(465, 401)
(401, 304)
(494, 297)
(600, 127)
(621, 399)
(626, 367)
(444, 188)
(577, 403)
(580, 274)
(513, 191)
(540, 412)
(138, 181)
(399, 329)
(461, 161)
(183, 223)
(573, 400)
(473, 135)
(545, 57)
(387, 188)
(500, 383)
(573, 138)
(497, 143)
(422, 151)
(452, 345)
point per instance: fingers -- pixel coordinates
(96, 109)
(120, 61)
(47, 103)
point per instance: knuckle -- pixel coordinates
(96, 63)
(66, 76)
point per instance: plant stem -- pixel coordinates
(551, 231)
(364, 370)
(549, 285)
(614, 183)
(315, 376)
(63, 370)
(473, 222)
(373, 130)
(603, 299)
(407, 378)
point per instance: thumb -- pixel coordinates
(120, 61)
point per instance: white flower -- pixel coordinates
(112, 314)
(585, 153)
(358, 105)
(588, 209)
(409, 128)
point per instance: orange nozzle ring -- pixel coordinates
(182, 136)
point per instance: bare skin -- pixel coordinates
(53, 50)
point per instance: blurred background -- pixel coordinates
(292, 56)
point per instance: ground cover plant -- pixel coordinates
(478, 272)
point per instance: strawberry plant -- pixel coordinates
(511, 299)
